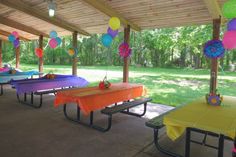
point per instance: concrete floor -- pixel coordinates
(44, 132)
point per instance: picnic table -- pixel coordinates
(44, 85)
(6, 77)
(91, 99)
(198, 116)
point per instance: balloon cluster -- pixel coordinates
(72, 52)
(14, 38)
(112, 31)
(39, 52)
(55, 40)
(229, 38)
(124, 50)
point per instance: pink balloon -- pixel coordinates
(15, 34)
(229, 40)
(53, 43)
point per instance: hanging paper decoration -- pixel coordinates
(112, 33)
(73, 52)
(106, 40)
(231, 26)
(124, 50)
(114, 23)
(214, 49)
(229, 40)
(39, 52)
(228, 9)
(55, 40)
(214, 100)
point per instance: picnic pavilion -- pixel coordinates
(47, 134)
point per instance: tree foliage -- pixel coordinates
(181, 46)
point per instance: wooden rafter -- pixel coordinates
(2, 32)
(213, 8)
(20, 26)
(103, 7)
(17, 5)
(3, 38)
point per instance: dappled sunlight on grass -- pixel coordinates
(165, 86)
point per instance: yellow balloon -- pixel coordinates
(114, 23)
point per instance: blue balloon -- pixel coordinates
(11, 38)
(53, 34)
(106, 40)
(58, 41)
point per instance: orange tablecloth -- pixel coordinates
(92, 98)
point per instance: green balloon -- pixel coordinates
(229, 8)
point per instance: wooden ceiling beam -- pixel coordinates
(4, 38)
(18, 5)
(21, 27)
(213, 8)
(2, 32)
(104, 8)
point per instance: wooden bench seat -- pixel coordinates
(125, 106)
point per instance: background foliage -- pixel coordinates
(169, 47)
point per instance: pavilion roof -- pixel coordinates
(30, 17)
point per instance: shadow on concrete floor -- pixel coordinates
(44, 132)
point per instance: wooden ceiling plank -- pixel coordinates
(20, 26)
(213, 8)
(2, 32)
(17, 5)
(104, 8)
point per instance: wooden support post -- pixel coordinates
(17, 57)
(0, 53)
(214, 62)
(74, 64)
(126, 59)
(41, 59)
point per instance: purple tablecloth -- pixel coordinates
(33, 85)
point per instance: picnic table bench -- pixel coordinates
(109, 111)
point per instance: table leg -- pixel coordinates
(187, 143)
(221, 146)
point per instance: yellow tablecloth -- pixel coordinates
(200, 115)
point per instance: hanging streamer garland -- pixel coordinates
(14, 39)
(214, 49)
(124, 50)
(39, 52)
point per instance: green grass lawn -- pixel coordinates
(166, 86)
